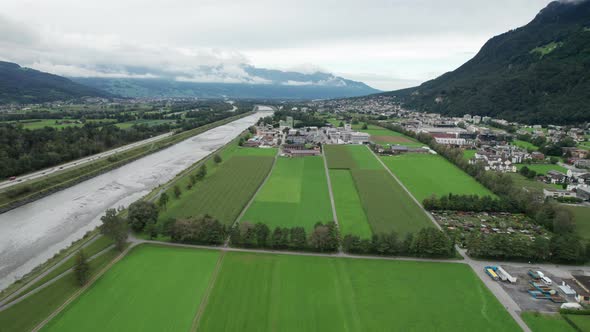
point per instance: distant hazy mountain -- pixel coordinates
(538, 73)
(24, 85)
(256, 83)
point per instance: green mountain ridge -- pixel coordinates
(539, 73)
(24, 85)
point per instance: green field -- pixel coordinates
(296, 194)
(226, 189)
(546, 323)
(525, 145)
(262, 292)
(381, 135)
(582, 220)
(152, 289)
(351, 216)
(386, 206)
(543, 168)
(428, 174)
(582, 322)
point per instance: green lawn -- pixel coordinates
(543, 168)
(152, 289)
(581, 322)
(28, 313)
(428, 174)
(227, 188)
(582, 219)
(525, 145)
(351, 216)
(538, 322)
(381, 135)
(262, 292)
(296, 194)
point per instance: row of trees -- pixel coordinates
(473, 203)
(559, 248)
(324, 237)
(428, 242)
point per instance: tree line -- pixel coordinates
(428, 242)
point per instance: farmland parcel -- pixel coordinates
(296, 194)
(382, 201)
(227, 188)
(265, 292)
(152, 289)
(427, 174)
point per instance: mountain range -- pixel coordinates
(24, 85)
(255, 83)
(538, 73)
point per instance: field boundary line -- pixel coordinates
(406, 189)
(272, 167)
(82, 290)
(205, 301)
(331, 193)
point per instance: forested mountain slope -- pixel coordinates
(537, 73)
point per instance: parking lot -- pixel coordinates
(519, 291)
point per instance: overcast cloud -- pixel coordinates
(386, 44)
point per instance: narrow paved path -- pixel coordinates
(19, 291)
(8, 304)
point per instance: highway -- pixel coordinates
(75, 163)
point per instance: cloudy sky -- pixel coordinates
(386, 44)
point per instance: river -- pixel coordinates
(33, 233)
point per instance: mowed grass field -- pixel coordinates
(381, 200)
(546, 323)
(381, 135)
(227, 188)
(543, 168)
(428, 174)
(296, 194)
(152, 289)
(264, 292)
(351, 216)
(525, 145)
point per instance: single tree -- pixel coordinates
(114, 227)
(81, 268)
(142, 213)
(163, 200)
(177, 191)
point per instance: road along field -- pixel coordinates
(152, 289)
(296, 194)
(226, 189)
(381, 200)
(428, 174)
(265, 292)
